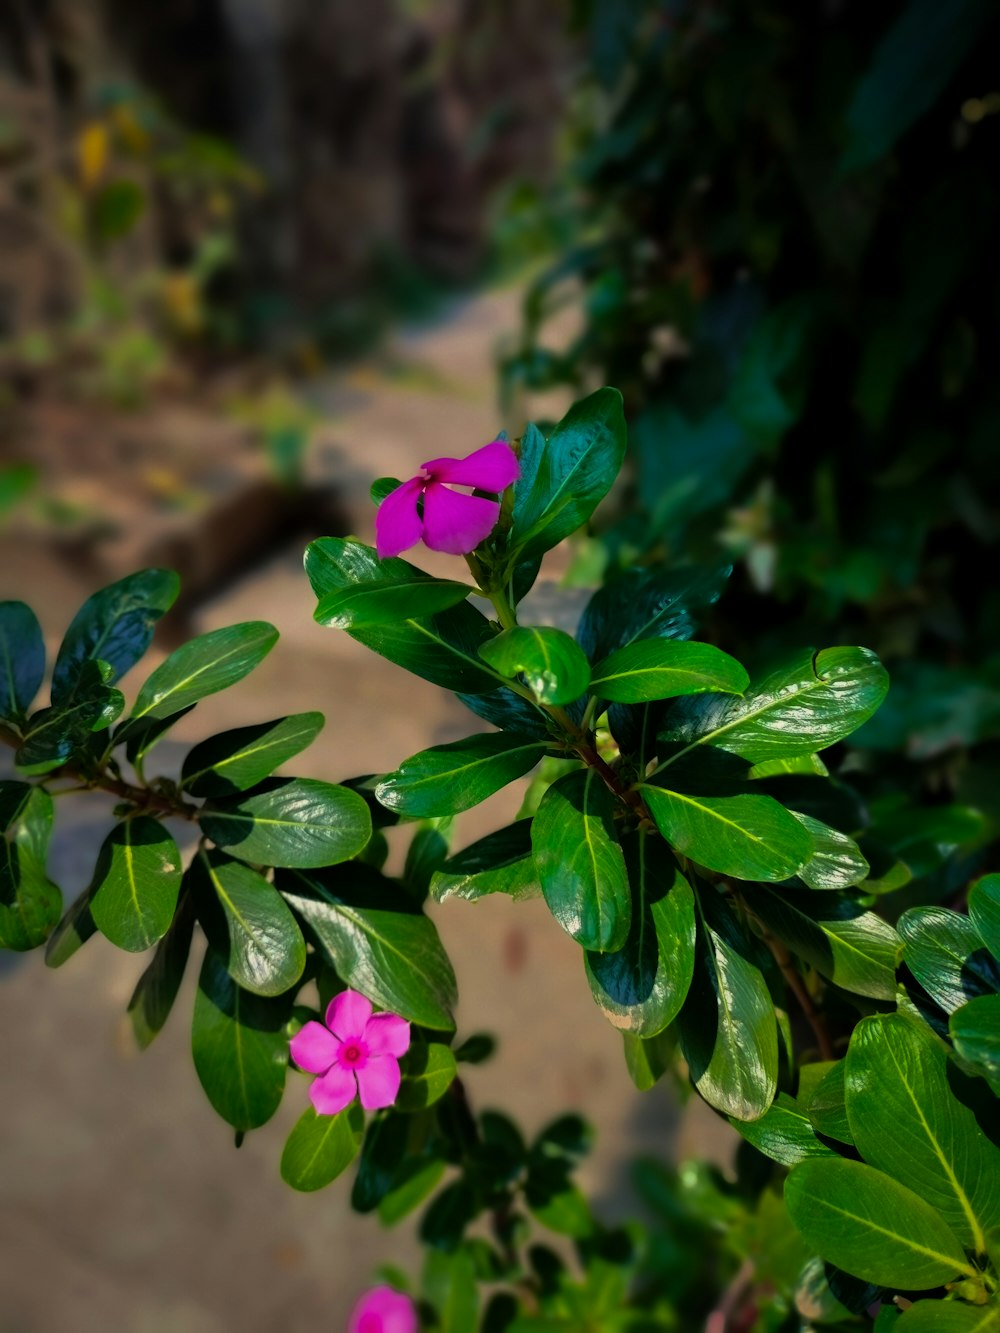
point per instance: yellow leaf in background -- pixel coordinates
(92, 153)
(182, 302)
(131, 133)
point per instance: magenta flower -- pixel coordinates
(356, 1052)
(383, 1310)
(426, 507)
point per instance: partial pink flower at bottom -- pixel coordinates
(383, 1310)
(357, 1052)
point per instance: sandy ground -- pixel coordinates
(123, 1203)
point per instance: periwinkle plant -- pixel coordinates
(713, 867)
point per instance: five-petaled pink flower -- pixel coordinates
(357, 1052)
(426, 506)
(383, 1310)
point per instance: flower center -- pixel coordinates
(353, 1054)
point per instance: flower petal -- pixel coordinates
(335, 1090)
(397, 523)
(314, 1049)
(347, 1014)
(456, 523)
(378, 1082)
(385, 1311)
(491, 468)
(387, 1034)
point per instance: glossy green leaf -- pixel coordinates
(116, 626)
(290, 822)
(728, 1033)
(647, 1059)
(656, 603)
(156, 990)
(203, 666)
(641, 987)
(907, 1122)
(72, 933)
(136, 882)
(828, 1105)
(746, 835)
(238, 759)
(949, 1317)
(391, 1155)
(26, 814)
(945, 953)
(376, 941)
(248, 924)
(499, 863)
(551, 662)
(975, 1030)
(22, 659)
(240, 1046)
(140, 737)
(443, 649)
(854, 948)
(579, 861)
(664, 668)
(984, 911)
(428, 1070)
(448, 778)
(784, 1133)
(804, 706)
(30, 904)
(53, 736)
(872, 1226)
(409, 597)
(321, 1147)
(836, 861)
(564, 477)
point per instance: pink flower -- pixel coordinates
(450, 521)
(383, 1310)
(357, 1052)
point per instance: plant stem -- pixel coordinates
(798, 988)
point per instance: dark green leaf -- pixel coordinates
(383, 1166)
(55, 735)
(136, 882)
(30, 904)
(784, 1133)
(248, 924)
(579, 862)
(975, 1030)
(641, 987)
(381, 487)
(499, 863)
(949, 1317)
(984, 911)
(321, 1147)
(203, 666)
(647, 1059)
(747, 836)
(662, 668)
(140, 737)
(873, 1227)
(290, 822)
(404, 598)
(240, 1047)
(73, 931)
(376, 942)
(945, 953)
(238, 759)
(450, 778)
(26, 814)
(116, 209)
(828, 1105)
(428, 1070)
(115, 626)
(156, 990)
(552, 664)
(836, 861)
(22, 659)
(402, 1200)
(656, 603)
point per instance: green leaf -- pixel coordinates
(140, 737)
(872, 1226)
(240, 1047)
(747, 836)
(656, 603)
(579, 862)
(156, 990)
(499, 863)
(116, 208)
(72, 933)
(116, 626)
(784, 1133)
(443, 649)
(402, 1200)
(828, 1105)
(26, 814)
(661, 669)
(944, 952)
(235, 760)
(321, 1147)
(984, 911)
(854, 948)
(449, 1284)
(802, 707)
(248, 924)
(203, 666)
(949, 1317)
(836, 861)
(378, 944)
(647, 1059)
(564, 478)
(428, 1070)
(290, 822)
(728, 1032)
(907, 1122)
(553, 665)
(409, 597)
(136, 882)
(30, 904)
(448, 778)
(642, 986)
(975, 1030)
(55, 735)
(22, 659)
